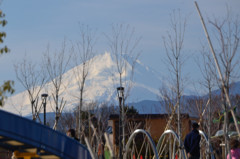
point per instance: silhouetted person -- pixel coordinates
(191, 142)
(71, 133)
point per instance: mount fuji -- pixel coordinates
(100, 86)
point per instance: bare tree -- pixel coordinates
(173, 44)
(96, 120)
(123, 45)
(56, 65)
(227, 34)
(83, 60)
(208, 71)
(32, 79)
(67, 120)
(166, 99)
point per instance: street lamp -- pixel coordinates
(44, 102)
(120, 91)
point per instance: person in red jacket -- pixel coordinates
(191, 142)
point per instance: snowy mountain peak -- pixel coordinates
(101, 84)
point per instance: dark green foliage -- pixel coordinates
(130, 110)
(7, 86)
(3, 35)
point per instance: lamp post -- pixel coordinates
(44, 102)
(120, 91)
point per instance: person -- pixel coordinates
(235, 150)
(71, 133)
(192, 142)
(101, 151)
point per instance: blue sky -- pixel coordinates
(33, 24)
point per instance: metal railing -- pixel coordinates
(149, 139)
(156, 148)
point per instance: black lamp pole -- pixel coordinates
(44, 101)
(120, 91)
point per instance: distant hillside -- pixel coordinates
(234, 89)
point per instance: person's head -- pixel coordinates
(71, 133)
(195, 126)
(234, 143)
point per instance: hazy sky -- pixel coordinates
(33, 24)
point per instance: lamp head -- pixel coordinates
(120, 91)
(44, 95)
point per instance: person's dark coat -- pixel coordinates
(191, 143)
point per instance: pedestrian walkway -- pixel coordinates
(26, 137)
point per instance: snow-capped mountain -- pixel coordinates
(101, 85)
